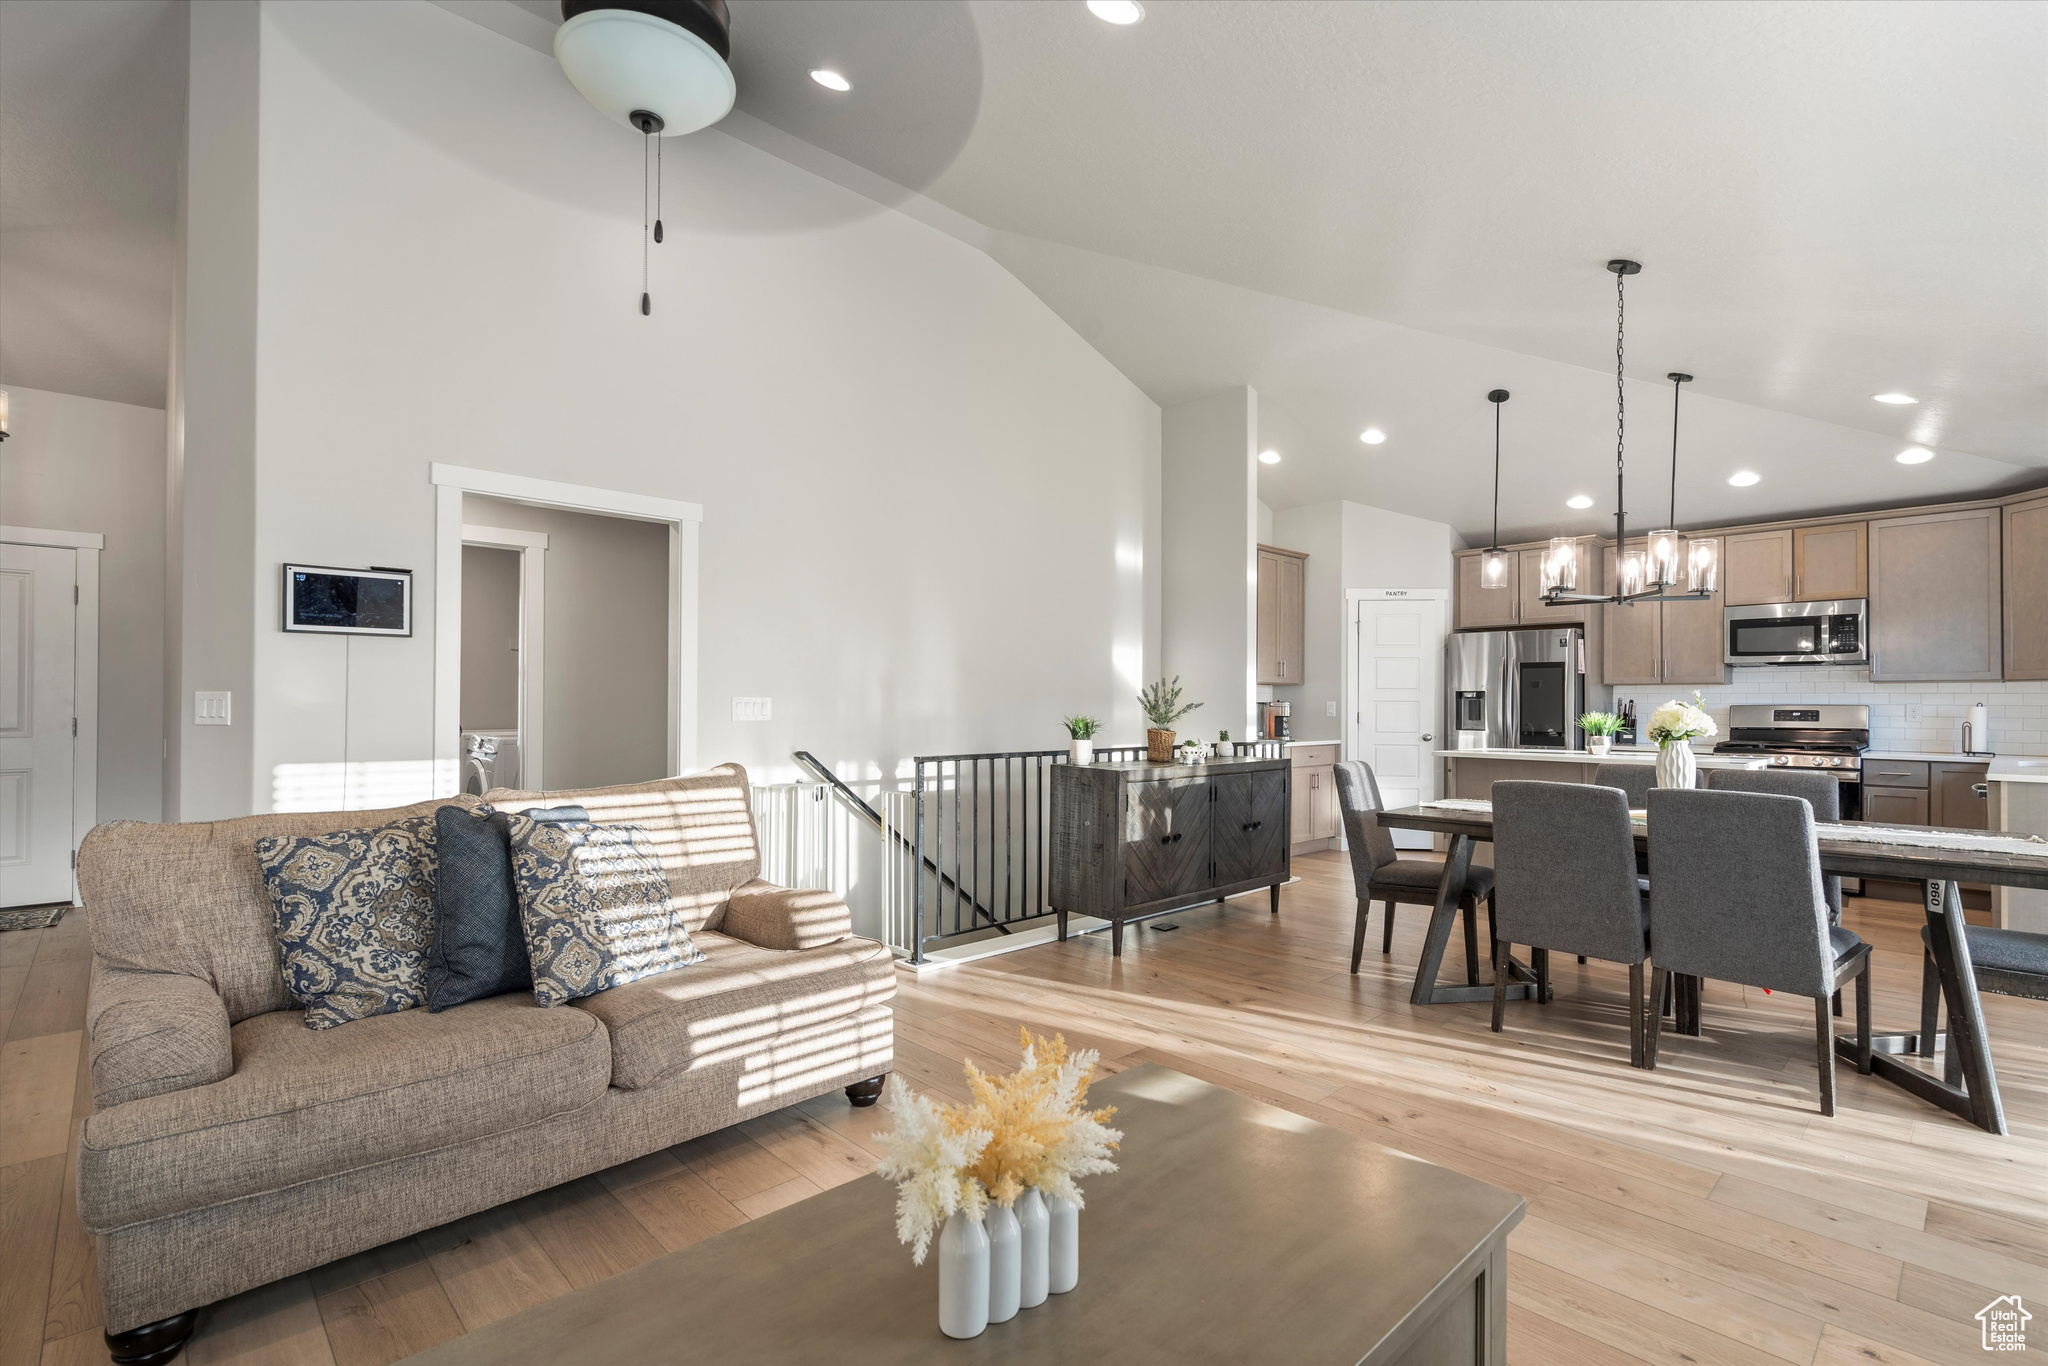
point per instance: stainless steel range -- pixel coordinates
(1829, 738)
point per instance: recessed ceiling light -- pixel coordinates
(831, 80)
(1578, 500)
(1372, 436)
(1915, 455)
(1269, 457)
(1117, 11)
(1895, 398)
(1742, 479)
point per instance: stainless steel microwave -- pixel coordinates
(1798, 633)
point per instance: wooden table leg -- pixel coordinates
(1442, 920)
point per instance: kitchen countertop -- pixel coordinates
(1926, 757)
(1617, 756)
(2018, 768)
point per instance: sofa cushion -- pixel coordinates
(190, 898)
(595, 907)
(740, 995)
(702, 827)
(304, 1104)
(355, 917)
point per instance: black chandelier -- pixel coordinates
(1653, 572)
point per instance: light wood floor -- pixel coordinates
(1705, 1213)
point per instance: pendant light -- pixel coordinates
(1648, 573)
(658, 66)
(1493, 565)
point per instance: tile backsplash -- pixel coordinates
(2019, 710)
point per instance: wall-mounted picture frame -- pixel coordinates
(324, 600)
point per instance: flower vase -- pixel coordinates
(1005, 1263)
(1034, 1229)
(1676, 766)
(1063, 1250)
(1080, 751)
(963, 1277)
(1598, 745)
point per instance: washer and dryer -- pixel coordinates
(490, 758)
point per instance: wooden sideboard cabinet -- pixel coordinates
(1140, 839)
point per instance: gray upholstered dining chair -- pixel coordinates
(1736, 896)
(2004, 962)
(1634, 779)
(1379, 873)
(1821, 791)
(1564, 858)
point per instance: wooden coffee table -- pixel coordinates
(1236, 1232)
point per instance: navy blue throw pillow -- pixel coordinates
(479, 944)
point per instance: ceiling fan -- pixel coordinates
(660, 66)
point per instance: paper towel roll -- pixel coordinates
(1980, 729)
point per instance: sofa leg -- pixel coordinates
(861, 1093)
(153, 1342)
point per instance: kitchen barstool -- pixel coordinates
(1736, 895)
(1564, 856)
(1379, 873)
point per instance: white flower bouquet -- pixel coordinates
(1676, 721)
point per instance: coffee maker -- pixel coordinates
(1273, 719)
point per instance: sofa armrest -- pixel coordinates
(775, 917)
(152, 1032)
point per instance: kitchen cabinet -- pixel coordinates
(1282, 618)
(1958, 796)
(1479, 607)
(1758, 568)
(1830, 562)
(2026, 589)
(1936, 596)
(1315, 814)
(1895, 805)
(1137, 839)
(1660, 642)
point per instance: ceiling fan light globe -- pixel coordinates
(624, 61)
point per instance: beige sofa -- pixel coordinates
(230, 1146)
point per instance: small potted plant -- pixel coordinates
(1601, 727)
(1162, 707)
(1081, 738)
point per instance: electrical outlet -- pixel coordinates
(1912, 713)
(753, 709)
(213, 709)
(1329, 708)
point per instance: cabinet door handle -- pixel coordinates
(1166, 839)
(1981, 789)
(1176, 836)
(1893, 774)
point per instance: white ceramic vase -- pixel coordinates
(1063, 1250)
(1034, 1228)
(1005, 1264)
(1598, 745)
(963, 1277)
(1080, 751)
(1675, 765)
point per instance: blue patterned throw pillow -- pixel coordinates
(355, 917)
(594, 902)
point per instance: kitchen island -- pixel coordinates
(1473, 772)
(2018, 786)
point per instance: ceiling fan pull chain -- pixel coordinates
(657, 191)
(646, 300)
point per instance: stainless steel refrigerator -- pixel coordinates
(1516, 689)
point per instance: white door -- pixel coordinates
(38, 626)
(1398, 692)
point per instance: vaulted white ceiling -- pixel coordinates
(1373, 213)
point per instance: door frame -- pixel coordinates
(532, 549)
(684, 522)
(1354, 598)
(85, 674)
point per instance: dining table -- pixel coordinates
(1936, 858)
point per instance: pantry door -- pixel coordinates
(1397, 677)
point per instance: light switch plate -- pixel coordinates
(1329, 708)
(753, 709)
(213, 708)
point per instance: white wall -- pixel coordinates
(926, 498)
(1351, 545)
(490, 637)
(604, 663)
(80, 464)
(1265, 525)
(1209, 605)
